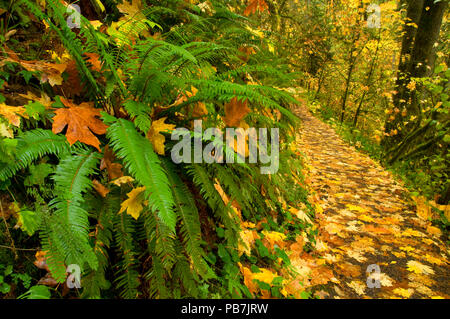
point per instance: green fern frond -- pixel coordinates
(223, 212)
(157, 280)
(127, 277)
(143, 163)
(189, 221)
(33, 145)
(71, 181)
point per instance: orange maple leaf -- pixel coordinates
(81, 121)
(255, 5)
(94, 60)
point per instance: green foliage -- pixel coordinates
(31, 146)
(143, 163)
(37, 292)
(9, 277)
(173, 249)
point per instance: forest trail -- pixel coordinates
(368, 219)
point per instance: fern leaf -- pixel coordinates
(143, 163)
(31, 146)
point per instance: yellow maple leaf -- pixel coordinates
(398, 254)
(156, 137)
(356, 208)
(411, 232)
(318, 208)
(248, 238)
(12, 113)
(132, 8)
(43, 99)
(300, 215)
(434, 231)
(357, 286)
(411, 86)
(366, 218)
(419, 268)
(433, 260)
(385, 280)
(122, 180)
(274, 238)
(96, 23)
(265, 275)
(5, 131)
(404, 292)
(248, 278)
(134, 204)
(407, 248)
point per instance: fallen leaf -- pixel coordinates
(41, 260)
(300, 215)
(100, 188)
(419, 268)
(155, 136)
(50, 72)
(404, 292)
(12, 113)
(264, 275)
(5, 131)
(114, 169)
(47, 280)
(235, 112)
(357, 286)
(356, 208)
(434, 231)
(82, 122)
(122, 180)
(43, 99)
(134, 204)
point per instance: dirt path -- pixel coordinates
(367, 219)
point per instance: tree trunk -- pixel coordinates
(417, 60)
(368, 80)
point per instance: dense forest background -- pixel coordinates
(88, 103)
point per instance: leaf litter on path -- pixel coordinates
(367, 221)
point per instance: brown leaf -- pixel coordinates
(349, 270)
(72, 86)
(81, 121)
(48, 280)
(41, 260)
(114, 169)
(235, 111)
(50, 72)
(100, 188)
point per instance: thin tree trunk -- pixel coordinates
(369, 78)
